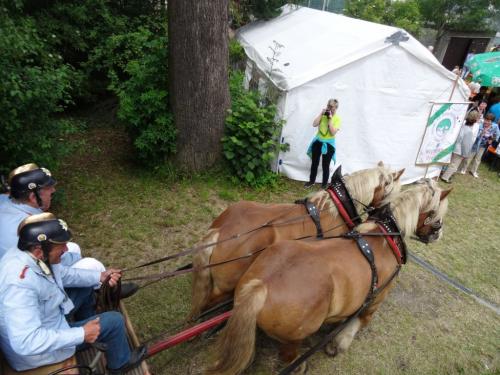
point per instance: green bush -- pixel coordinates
(236, 52)
(251, 137)
(144, 97)
(35, 85)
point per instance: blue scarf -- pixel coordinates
(324, 147)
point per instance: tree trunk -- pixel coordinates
(198, 76)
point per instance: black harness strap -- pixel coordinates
(312, 210)
(337, 185)
(367, 252)
(385, 218)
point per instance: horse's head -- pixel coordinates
(421, 209)
(389, 185)
(430, 219)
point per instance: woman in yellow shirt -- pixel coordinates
(323, 144)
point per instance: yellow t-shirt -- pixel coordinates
(324, 131)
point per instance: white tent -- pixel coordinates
(384, 79)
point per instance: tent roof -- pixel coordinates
(317, 42)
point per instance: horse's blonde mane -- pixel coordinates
(424, 197)
(361, 186)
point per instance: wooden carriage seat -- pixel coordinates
(44, 370)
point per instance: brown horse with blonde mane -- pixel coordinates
(286, 221)
(296, 286)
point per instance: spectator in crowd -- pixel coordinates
(488, 132)
(474, 90)
(323, 144)
(495, 108)
(482, 109)
(463, 145)
(468, 58)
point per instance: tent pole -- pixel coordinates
(454, 87)
(423, 136)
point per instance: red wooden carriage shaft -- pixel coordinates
(187, 334)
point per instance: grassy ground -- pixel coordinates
(123, 215)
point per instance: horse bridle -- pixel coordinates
(425, 219)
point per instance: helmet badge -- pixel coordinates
(41, 237)
(31, 186)
(46, 171)
(63, 224)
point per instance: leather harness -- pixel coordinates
(385, 220)
(342, 200)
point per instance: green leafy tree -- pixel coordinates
(244, 11)
(143, 95)
(35, 85)
(459, 15)
(403, 14)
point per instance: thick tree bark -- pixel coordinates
(198, 76)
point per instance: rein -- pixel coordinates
(337, 191)
(108, 296)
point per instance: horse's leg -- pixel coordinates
(202, 280)
(289, 352)
(344, 339)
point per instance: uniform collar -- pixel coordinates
(26, 208)
(32, 262)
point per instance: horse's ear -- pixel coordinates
(380, 163)
(445, 193)
(337, 174)
(397, 175)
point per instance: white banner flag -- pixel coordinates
(441, 132)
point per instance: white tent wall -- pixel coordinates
(385, 90)
(383, 108)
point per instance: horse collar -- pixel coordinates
(343, 201)
(388, 224)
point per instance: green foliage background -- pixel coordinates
(252, 133)
(403, 14)
(60, 55)
(35, 85)
(57, 56)
(144, 98)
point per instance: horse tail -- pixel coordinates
(236, 344)
(202, 280)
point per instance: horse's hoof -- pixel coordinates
(301, 370)
(331, 349)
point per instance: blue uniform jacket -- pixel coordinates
(33, 328)
(11, 215)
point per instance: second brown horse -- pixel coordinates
(287, 221)
(296, 286)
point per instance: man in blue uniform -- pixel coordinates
(31, 190)
(33, 304)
